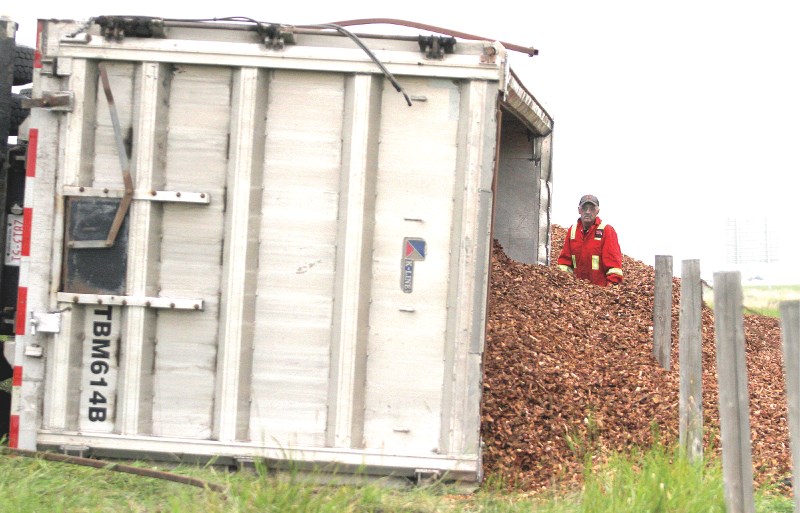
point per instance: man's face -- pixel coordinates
(588, 212)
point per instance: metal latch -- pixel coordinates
(60, 100)
(45, 322)
(436, 46)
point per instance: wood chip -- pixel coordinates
(569, 371)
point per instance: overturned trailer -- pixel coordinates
(247, 241)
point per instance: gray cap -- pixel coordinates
(589, 198)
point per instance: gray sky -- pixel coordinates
(677, 114)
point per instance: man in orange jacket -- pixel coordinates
(591, 248)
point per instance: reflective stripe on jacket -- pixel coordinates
(593, 255)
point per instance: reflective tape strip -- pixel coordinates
(565, 268)
(13, 431)
(572, 231)
(574, 261)
(37, 54)
(33, 145)
(614, 270)
(27, 223)
(22, 310)
(595, 262)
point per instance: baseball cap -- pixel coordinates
(589, 198)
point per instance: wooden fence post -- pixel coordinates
(734, 400)
(662, 311)
(690, 350)
(790, 333)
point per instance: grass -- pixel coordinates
(655, 480)
(761, 299)
(765, 299)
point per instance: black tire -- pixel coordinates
(17, 114)
(23, 65)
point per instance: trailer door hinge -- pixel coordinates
(119, 27)
(275, 36)
(435, 47)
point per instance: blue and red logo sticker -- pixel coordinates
(414, 249)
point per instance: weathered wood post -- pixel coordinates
(690, 350)
(734, 400)
(662, 311)
(790, 333)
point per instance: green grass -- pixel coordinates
(656, 480)
(765, 299)
(761, 299)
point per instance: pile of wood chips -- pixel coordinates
(569, 372)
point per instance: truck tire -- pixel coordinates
(17, 114)
(23, 65)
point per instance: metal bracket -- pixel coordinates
(164, 196)
(72, 450)
(435, 47)
(427, 475)
(60, 101)
(145, 301)
(34, 350)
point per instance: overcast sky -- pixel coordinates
(677, 114)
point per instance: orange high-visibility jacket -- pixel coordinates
(594, 255)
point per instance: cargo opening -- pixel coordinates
(524, 182)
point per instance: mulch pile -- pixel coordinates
(569, 371)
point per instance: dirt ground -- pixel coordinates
(569, 371)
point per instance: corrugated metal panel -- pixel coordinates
(316, 291)
(297, 258)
